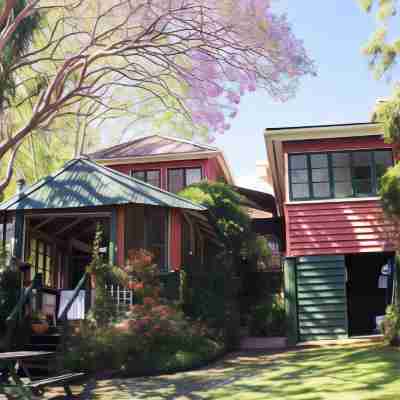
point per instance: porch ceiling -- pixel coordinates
(84, 183)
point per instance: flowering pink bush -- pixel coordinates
(143, 274)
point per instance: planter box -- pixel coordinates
(263, 343)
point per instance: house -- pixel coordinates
(170, 164)
(338, 253)
(49, 227)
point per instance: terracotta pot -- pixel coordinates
(122, 327)
(131, 285)
(40, 328)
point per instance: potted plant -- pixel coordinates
(39, 323)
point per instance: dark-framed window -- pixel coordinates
(151, 176)
(344, 174)
(40, 257)
(156, 235)
(179, 178)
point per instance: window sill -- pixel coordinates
(344, 200)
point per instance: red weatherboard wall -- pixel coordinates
(336, 227)
(210, 170)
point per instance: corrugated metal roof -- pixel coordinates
(84, 183)
(151, 145)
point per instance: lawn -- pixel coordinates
(363, 372)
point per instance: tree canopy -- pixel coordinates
(229, 219)
(382, 50)
(184, 64)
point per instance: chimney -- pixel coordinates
(21, 183)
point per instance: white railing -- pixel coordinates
(122, 297)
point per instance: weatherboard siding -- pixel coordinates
(321, 297)
(336, 228)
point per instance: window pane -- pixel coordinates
(139, 175)
(362, 158)
(40, 262)
(10, 233)
(153, 178)
(299, 176)
(193, 175)
(362, 172)
(341, 159)
(341, 174)
(320, 175)
(384, 157)
(300, 191)
(175, 180)
(343, 189)
(298, 162)
(362, 187)
(319, 160)
(156, 239)
(321, 190)
(362, 165)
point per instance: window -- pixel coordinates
(317, 176)
(41, 261)
(150, 176)
(147, 228)
(178, 179)
(156, 235)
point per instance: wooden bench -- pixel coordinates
(63, 380)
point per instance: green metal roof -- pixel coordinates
(84, 183)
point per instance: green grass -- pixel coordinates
(363, 372)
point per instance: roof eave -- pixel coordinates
(158, 158)
(323, 132)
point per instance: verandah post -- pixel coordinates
(113, 237)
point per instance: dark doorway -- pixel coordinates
(365, 299)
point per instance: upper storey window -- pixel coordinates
(318, 176)
(179, 178)
(151, 176)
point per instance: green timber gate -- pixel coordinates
(321, 297)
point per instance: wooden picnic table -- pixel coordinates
(10, 380)
(8, 369)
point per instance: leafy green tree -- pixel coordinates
(226, 214)
(382, 51)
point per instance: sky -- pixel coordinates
(344, 91)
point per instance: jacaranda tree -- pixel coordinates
(179, 62)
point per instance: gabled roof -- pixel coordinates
(84, 183)
(159, 148)
(151, 145)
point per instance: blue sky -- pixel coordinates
(343, 92)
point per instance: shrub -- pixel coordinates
(152, 338)
(391, 325)
(268, 319)
(10, 283)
